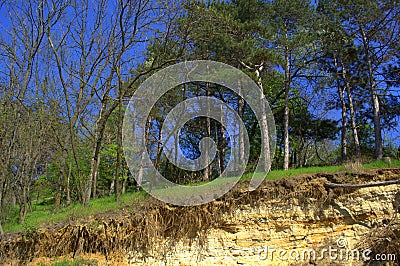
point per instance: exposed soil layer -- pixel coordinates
(149, 228)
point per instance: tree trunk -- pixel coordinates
(94, 189)
(68, 192)
(158, 159)
(206, 171)
(95, 158)
(222, 149)
(2, 194)
(112, 186)
(286, 111)
(96, 172)
(123, 189)
(61, 175)
(22, 206)
(352, 114)
(374, 98)
(140, 173)
(265, 149)
(241, 104)
(119, 146)
(217, 143)
(344, 112)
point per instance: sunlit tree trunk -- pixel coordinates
(352, 113)
(119, 140)
(95, 157)
(286, 111)
(206, 171)
(222, 149)
(266, 150)
(374, 98)
(343, 136)
(144, 151)
(241, 104)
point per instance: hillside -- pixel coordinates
(293, 213)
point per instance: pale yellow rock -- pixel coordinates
(260, 234)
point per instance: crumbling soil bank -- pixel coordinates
(148, 230)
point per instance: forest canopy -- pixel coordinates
(330, 71)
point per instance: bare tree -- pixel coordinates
(104, 45)
(27, 136)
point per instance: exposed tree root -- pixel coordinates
(151, 228)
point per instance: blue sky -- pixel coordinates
(334, 114)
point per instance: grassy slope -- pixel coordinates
(42, 214)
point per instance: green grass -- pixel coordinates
(382, 164)
(43, 214)
(278, 174)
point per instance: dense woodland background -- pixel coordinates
(329, 69)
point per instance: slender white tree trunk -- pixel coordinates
(374, 98)
(140, 173)
(266, 151)
(352, 113)
(241, 154)
(222, 150)
(286, 111)
(95, 158)
(344, 112)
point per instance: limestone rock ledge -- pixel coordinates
(288, 233)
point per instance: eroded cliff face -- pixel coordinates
(289, 232)
(294, 221)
